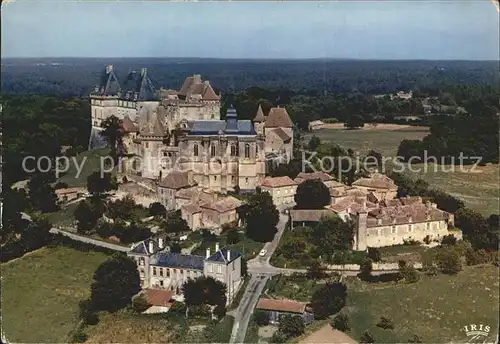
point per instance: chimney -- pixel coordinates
(228, 255)
(160, 243)
(151, 247)
(207, 253)
(216, 246)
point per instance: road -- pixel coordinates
(260, 271)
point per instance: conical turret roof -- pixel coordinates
(259, 117)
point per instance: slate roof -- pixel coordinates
(138, 86)
(221, 256)
(274, 182)
(287, 306)
(177, 180)
(143, 247)
(278, 117)
(177, 260)
(214, 127)
(108, 84)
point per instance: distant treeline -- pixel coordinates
(76, 77)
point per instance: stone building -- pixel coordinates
(394, 224)
(381, 186)
(277, 128)
(328, 180)
(160, 269)
(275, 309)
(281, 189)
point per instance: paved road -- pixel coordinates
(90, 240)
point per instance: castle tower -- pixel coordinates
(259, 121)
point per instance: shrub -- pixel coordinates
(341, 323)
(367, 337)
(261, 317)
(449, 240)
(140, 304)
(278, 337)
(201, 310)
(414, 339)
(411, 242)
(410, 274)
(448, 260)
(374, 254)
(86, 314)
(475, 257)
(366, 268)
(385, 323)
(178, 307)
(78, 337)
(427, 239)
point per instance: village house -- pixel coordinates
(69, 194)
(316, 125)
(307, 217)
(281, 189)
(160, 300)
(171, 184)
(328, 180)
(163, 270)
(277, 308)
(343, 192)
(382, 187)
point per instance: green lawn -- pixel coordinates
(41, 291)
(295, 287)
(64, 216)
(91, 163)
(435, 308)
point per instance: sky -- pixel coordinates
(423, 29)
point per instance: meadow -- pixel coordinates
(478, 188)
(41, 291)
(435, 308)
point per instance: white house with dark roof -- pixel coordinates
(281, 189)
(160, 269)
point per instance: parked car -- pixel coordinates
(262, 253)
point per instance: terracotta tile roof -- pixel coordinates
(405, 214)
(302, 176)
(352, 204)
(128, 126)
(209, 93)
(309, 215)
(288, 306)
(259, 117)
(278, 117)
(191, 208)
(224, 204)
(376, 181)
(66, 191)
(282, 135)
(157, 297)
(177, 180)
(275, 182)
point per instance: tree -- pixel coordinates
(374, 254)
(409, 273)
(312, 194)
(376, 156)
(42, 196)
(385, 323)
(121, 209)
(175, 247)
(332, 234)
(328, 300)
(316, 270)
(99, 183)
(113, 133)
(341, 323)
(261, 317)
(367, 337)
(86, 314)
(204, 291)
(314, 143)
(354, 122)
(14, 202)
(157, 209)
(87, 214)
(291, 325)
(233, 237)
(449, 240)
(175, 223)
(448, 260)
(140, 304)
(114, 283)
(366, 268)
(260, 217)
(36, 234)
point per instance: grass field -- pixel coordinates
(41, 291)
(479, 190)
(91, 162)
(435, 308)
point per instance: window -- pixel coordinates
(246, 180)
(393, 229)
(212, 116)
(161, 283)
(168, 272)
(210, 268)
(247, 150)
(256, 149)
(233, 179)
(161, 272)
(146, 144)
(154, 271)
(195, 150)
(410, 228)
(182, 272)
(215, 178)
(428, 226)
(233, 265)
(141, 261)
(234, 151)
(212, 150)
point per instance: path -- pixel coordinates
(88, 240)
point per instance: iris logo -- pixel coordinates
(477, 333)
